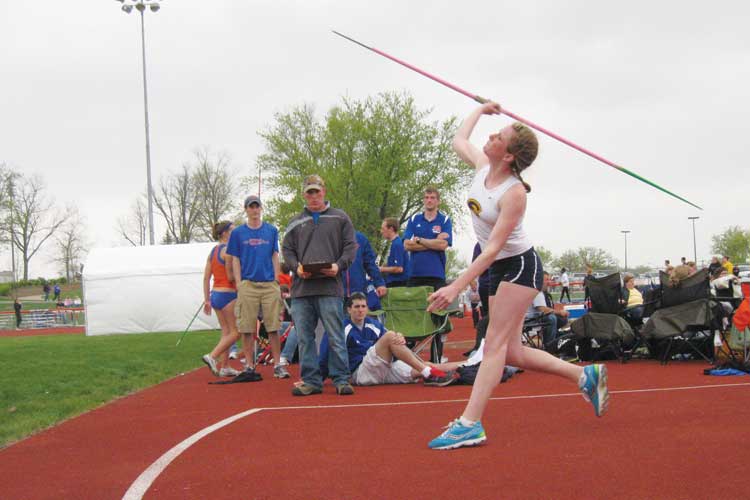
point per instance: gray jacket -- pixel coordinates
(330, 239)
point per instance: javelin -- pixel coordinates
(533, 125)
(189, 324)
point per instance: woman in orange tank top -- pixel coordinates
(222, 298)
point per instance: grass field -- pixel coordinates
(48, 379)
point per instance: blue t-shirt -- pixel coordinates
(255, 249)
(428, 263)
(397, 257)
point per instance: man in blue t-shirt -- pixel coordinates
(253, 252)
(427, 236)
(397, 262)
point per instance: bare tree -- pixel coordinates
(177, 202)
(71, 244)
(215, 189)
(132, 227)
(6, 190)
(33, 219)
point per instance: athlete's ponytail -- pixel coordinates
(524, 148)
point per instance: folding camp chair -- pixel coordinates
(606, 326)
(405, 311)
(687, 320)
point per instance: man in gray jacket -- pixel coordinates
(319, 244)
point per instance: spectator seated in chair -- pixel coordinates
(725, 285)
(543, 307)
(633, 300)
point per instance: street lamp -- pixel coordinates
(140, 6)
(625, 232)
(695, 250)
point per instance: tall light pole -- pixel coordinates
(695, 249)
(140, 6)
(625, 232)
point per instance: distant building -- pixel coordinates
(6, 276)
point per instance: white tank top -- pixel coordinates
(483, 204)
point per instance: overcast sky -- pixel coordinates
(657, 87)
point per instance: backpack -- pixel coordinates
(468, 373)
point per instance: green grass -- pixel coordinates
(48, 379)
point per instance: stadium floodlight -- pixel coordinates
(140, 6)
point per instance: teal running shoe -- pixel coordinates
(594, 388)
(457, 435)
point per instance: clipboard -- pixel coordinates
(316, 267)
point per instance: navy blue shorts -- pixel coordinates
(525, 269)
(220, 300)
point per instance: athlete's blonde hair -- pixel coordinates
(524, 147)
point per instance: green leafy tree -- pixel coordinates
(578, 260)
(639, 269)
(453, 264)
(376, 157)
(546, 256)
(734, 242)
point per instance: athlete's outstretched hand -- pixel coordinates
(491, 108)
(442, 298)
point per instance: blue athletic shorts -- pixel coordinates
(219, 300)
(525, 269)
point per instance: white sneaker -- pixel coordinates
(211, 363)
(283, 361)
(228, 371)
(233, 354)
(280, 371)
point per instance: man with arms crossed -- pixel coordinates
(427, 236)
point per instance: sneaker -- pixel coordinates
(228, 371)
(436, 380)
(283, 361)
(594, 388)
(211, 363)
(280, 371)
(344, 390)
(304, 389)
(233, 354)
(457, 435)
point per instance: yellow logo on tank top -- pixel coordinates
(474, 206)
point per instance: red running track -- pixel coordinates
(681, 436)
(31, 332)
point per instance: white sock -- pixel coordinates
(466, 422)
(426, 372)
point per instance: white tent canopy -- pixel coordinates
(145, 289)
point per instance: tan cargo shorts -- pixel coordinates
(251, 296)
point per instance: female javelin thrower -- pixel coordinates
(222, 299)
(497, 199)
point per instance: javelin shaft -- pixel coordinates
(531, 124)
(189, 324)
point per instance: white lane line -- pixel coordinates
(141, 485)
(147, 478)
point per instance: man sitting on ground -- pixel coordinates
(377, 356)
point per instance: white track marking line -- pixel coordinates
(147, 478)
(141, 485)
